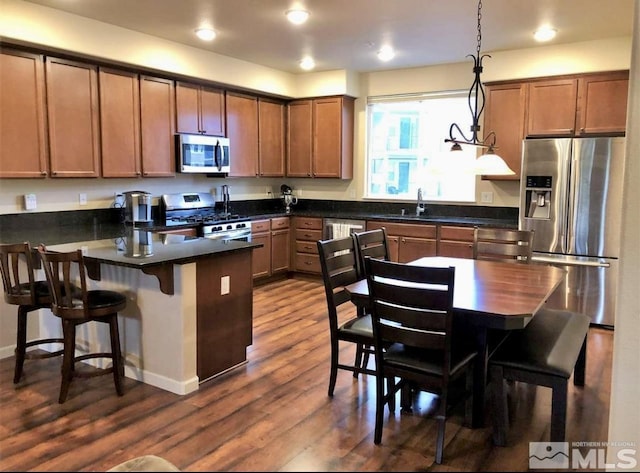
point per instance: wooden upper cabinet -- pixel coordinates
(300, 141)
(602, 103)
(242, 131)
(321, 138)
(551, 109)
(157, 130)
(72, 106)
(504, 115)
(200, 109)
(23, 138)
(120, 123)
(271, 129)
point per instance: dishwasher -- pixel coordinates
(338, 227)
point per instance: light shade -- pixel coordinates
(490, 164)
(205, 34)
(386, 53)
(546, 33)
(307, 63)
(298, 16)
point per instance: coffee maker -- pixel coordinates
(137, 207)
(288, 197)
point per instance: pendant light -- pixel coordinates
(489, 163)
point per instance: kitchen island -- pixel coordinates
(189, 304)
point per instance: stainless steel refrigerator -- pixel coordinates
(571, 196)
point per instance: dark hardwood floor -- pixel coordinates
(272, 414)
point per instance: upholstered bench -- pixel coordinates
(544, 353)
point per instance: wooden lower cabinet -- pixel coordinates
(307, 231)
(274, 256)
(455, 241)
(407, 241)
(192, 232)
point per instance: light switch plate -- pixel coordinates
(486, 197)
(30, 202)
(224, 285)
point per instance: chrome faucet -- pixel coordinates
(420, 207)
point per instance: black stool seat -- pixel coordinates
(29, 295)
(78, 306)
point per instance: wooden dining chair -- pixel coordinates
(372, 243)
(21, 288)
(417, 344)
(338, 262)
(77, 306)
(502, 244)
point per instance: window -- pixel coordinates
(406, 148)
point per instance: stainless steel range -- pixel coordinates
(198, 208)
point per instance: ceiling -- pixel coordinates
(346, 34)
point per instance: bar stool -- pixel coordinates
(77, 307)
(22, 289)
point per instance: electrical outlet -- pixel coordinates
(268, 190)
(30, 202)
(486, 197)
(82, 197)
(224, 285)
(352, 194)
(298, 192)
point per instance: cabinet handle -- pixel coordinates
(43, 173)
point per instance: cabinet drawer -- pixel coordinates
(311, 235)
(279, 223)
(455, 249)
(405, 229)
(310, 223)
(456, 233)
(306, 247)
(259, 226)
(307, 263)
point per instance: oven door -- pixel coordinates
(242, 234)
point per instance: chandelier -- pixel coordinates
(489, 163)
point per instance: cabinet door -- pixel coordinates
(187, 108)
(212, 112)
(602, 103)
(299, 138)
(120, 123)
(411, 248)
(157, 110)
(261, 262)
(552, 107)
(455, 241)
(280, 250)
(504, 115)
(72, 109)
(327, 127)
(271, 138)
(23, 149)
(242, 130)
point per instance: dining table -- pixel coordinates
(491, 296)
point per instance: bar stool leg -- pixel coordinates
(68, 358)
(118, 366)
(21, 343)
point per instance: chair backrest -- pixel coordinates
(63, 270)
(338, 262)
(372, 243)
(19, 285)
(412, 305)
(503, 244)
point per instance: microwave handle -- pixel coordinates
(217, 153)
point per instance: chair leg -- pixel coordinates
(68, 358)
(380, 403)
(118, 365)
(440, 439)
(500, 408)
(558, 410)
(581, 364)
(358, 361)
(21, 343)
(334, 367)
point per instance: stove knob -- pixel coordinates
(242, 225)
(229, 227)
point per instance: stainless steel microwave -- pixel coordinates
(202, 154)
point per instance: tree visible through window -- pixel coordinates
(406, 148)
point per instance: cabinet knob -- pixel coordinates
(43, 173)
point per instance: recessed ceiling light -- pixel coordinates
(298, 16)
(205, 34)
(386, 53)
(545, 33)
(307, 63)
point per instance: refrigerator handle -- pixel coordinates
(571, 262)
